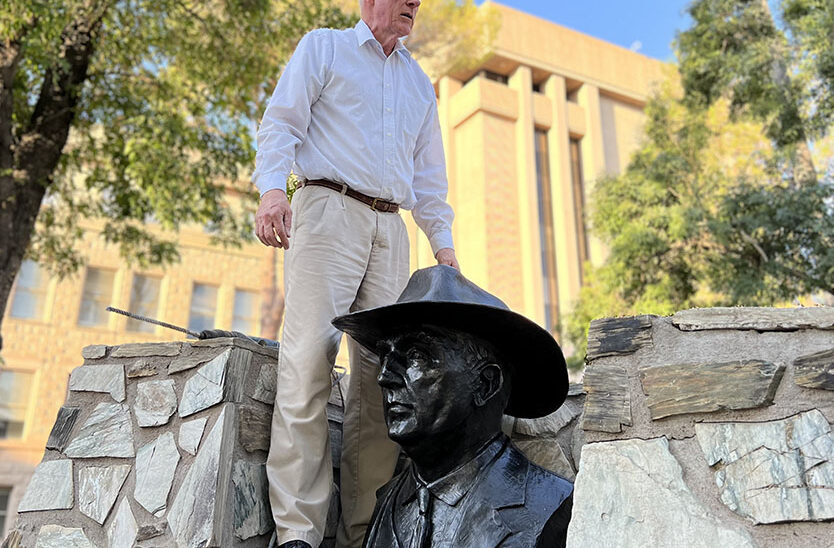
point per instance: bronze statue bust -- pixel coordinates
(453, 360)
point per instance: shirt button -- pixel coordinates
(389, 134)
(387, 109)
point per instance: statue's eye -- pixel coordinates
(416, 355)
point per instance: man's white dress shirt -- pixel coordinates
(345, 112)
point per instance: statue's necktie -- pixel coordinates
(422, 532)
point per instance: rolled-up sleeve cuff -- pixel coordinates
(271, 181)
(441, 240)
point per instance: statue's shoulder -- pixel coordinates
(541, 482)
(545, 511)
(544, 491)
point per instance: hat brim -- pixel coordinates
(540, 379)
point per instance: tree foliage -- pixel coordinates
(450, 36)
(782, 76)
(729, 200)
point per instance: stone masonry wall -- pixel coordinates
(708, 428)
(158, 445)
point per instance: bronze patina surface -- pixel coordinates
(453, 360)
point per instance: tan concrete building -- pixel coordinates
(526, 134)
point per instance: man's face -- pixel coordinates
(393, 17)
(427, 387)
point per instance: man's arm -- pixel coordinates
(431, 212)
(283, 129)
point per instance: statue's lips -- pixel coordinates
(398, 407)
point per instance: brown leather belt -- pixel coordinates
(375, 203)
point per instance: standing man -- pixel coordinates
(355, 118)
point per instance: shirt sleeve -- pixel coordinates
(431, 212)
(287, 116)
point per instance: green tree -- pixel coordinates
(729, 200)
(781, 76)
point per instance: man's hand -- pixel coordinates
(447, 256)
(274, 219)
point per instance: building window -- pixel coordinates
(144, 300)
(245, 317)
(495, 77)
(203, 307)
(490, 75)
(14, 398)
(5, 495)
(578, 190)
(29, 299)
(98, 291)
(547, 233)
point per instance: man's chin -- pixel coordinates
(404, 29)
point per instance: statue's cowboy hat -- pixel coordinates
(441, 296)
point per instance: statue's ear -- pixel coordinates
(491, 380)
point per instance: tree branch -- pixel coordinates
(11, 53)
(749, 239)
(206, 25)
(42, 143)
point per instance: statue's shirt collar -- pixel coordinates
(453, 486)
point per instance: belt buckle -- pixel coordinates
(373, 204)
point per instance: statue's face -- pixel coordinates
(427, 386)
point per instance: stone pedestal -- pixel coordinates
(159, 445)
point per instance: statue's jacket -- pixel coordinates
(508, 502)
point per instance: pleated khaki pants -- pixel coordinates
(343, 257)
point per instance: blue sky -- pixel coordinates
(647, 26)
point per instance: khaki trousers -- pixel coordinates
(343, 257)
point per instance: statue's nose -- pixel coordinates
(388, 377)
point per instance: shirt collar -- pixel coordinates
(364, 34)
(454, 485)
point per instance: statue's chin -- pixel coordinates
(402, 432)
